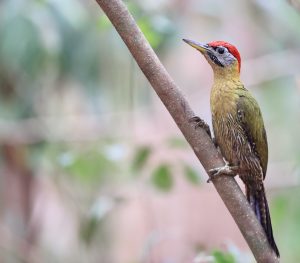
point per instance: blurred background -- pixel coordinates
(93, 168)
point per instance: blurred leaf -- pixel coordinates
(21, 48)
(162, 178)
(104, 22)
(97, 215)
(157, 28)
(141, 156)
(285, 218)
(221, 257)
(191, 174)
(279, 208)
(133, 8)
(88, 167)
(88, 229)
(152, 36)
(177, 142)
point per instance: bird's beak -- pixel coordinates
(201, 47)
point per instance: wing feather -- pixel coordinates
(250, 119)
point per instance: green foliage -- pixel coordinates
(97, 218)
(191, 174)
(177, 142)
(22, 59)
(162, 178)
(88, 229)
(161, 175)
(78, 58)
(21, 49)
(104, 22)
(280, 204)
(285, 212)
(222, 257)
(157, 28)
(88, 166)
(152, 36)
(140, 158)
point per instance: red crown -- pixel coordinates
(232, 49)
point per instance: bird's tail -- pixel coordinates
(258, 201)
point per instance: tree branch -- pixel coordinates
(181, 112)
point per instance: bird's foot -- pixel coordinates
(224, 170)
(200, 123)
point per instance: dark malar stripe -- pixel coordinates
(215, 59)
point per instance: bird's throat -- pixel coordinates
(226, 74)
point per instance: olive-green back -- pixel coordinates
(251, 120)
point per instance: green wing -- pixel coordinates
(251, 121)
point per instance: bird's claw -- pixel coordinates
(224, 170)
(200, 123)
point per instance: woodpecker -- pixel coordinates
(238, 128)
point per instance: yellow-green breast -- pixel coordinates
(238, 126)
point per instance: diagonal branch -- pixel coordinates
(181, 112)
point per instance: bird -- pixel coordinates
(238, 127)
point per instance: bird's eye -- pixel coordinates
(220, 50)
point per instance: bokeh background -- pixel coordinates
(93, 168)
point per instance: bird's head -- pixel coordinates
(222, 56)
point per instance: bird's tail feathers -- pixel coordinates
(258, 201)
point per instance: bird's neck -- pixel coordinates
(224, 92)
(226, 75)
